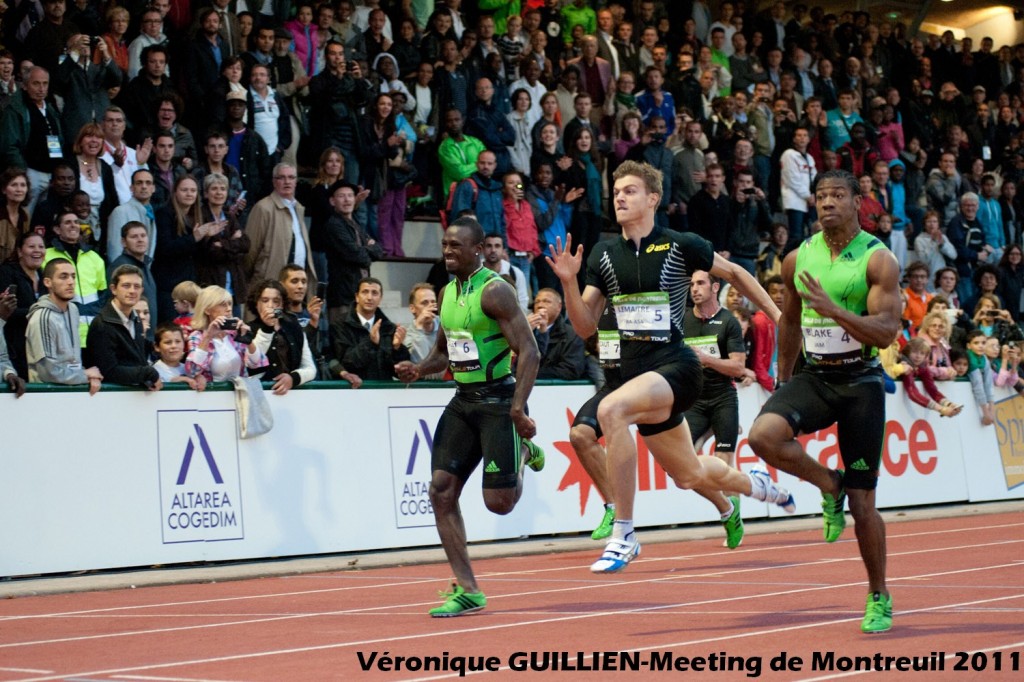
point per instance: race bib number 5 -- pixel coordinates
(463, 354)
(643, 317)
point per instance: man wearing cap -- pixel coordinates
(350, 250)
(247, 152)
(290, 81)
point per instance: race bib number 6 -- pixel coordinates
(643, 317)
(463, 354)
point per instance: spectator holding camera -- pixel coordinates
(422, 334)
(280, 338)
(986, 282)
(220, 345)
(988, 317)
(117, 341)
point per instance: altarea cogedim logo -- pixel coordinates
(200, 485)
(412, 445)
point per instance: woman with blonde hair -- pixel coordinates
(215, 351)
(117, 19)
(935, 330)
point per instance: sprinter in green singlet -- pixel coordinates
(481, 326)
(842, 304)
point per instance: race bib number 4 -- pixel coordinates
(463, 355)
(826, 340)
(643, 317)
(705, 344)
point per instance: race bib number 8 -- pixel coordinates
(705, 344)
(463, 354)
(643, 317)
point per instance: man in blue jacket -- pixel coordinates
(480, 194)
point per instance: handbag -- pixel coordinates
(254, 415)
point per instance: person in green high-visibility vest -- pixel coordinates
(842, 304)
(487, 421)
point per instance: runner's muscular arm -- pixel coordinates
(733, 366)
(500, 302)
(789, 322)
(879, 327)
(746, 285)
(436, 360)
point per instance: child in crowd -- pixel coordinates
(80, 205)
(915, 361)
(980, 375)
(1004, 359)
(958, 359)
(184, 296)
(170, 348)
(142, 310)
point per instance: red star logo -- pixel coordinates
(576, 474)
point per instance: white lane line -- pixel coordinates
(390, 640)
(402, 581)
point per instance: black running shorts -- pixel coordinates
(587, 415)
(810, 403)
(476, 426)
(722, 414)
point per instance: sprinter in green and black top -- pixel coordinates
(645, 275)
(842, 303)
(481, 326)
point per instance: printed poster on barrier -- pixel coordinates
(200, 481)
(412, 442)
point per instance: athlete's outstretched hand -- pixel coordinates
(563, 262)
(407, 372)
(815, 296)
(525, 426)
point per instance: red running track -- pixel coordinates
(958, 585)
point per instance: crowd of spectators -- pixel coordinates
(233, 169)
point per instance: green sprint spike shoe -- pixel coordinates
(604, 529)
(458, 602)
(877, 614)
(734, 525)
(833, 514)
(536, 459)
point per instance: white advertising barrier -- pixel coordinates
(135, 479)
